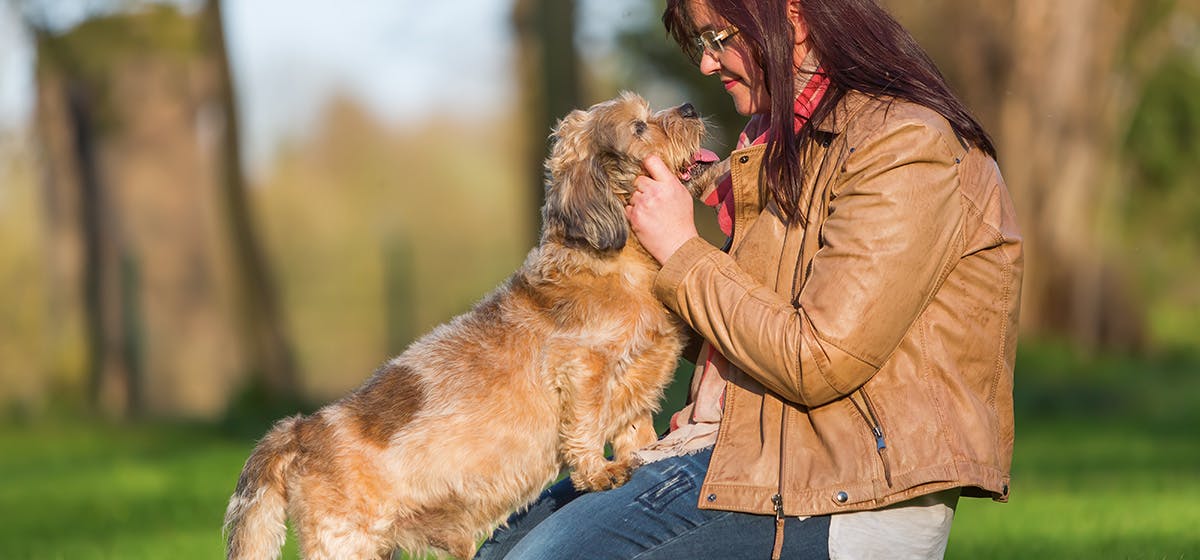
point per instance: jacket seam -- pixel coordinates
(979, 473)
(933, 396)
(998, 368)
(1005, 295)
(825, 376)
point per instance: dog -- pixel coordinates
(474, 419)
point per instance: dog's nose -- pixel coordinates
(687, 111)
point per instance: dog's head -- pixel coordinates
(597, 154)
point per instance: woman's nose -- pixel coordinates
(709, 64)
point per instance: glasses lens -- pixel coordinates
(709, 41)
(696, 50)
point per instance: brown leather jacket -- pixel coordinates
(873, 339)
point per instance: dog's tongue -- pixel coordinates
(701, 156)
(705, 156)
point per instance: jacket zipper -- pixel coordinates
(877, 429)
(777, 499)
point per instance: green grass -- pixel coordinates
(92, 491)
(1086, 490)
(1107, 465)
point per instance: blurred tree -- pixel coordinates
(549, 79)
(129, 113)
(263, 327)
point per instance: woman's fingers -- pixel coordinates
(658, 170)
(660, 210)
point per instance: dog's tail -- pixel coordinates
(256, 519)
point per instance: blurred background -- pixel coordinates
(215, 213)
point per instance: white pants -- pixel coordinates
(915, 529)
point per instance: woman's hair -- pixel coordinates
(859, 46)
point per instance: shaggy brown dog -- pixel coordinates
(475, 418)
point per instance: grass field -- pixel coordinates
(1107, 465)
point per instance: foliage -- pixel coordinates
(1161, 215)
(94, 48)
(378, 234)
(21, 318)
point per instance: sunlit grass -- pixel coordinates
(91, 491)
(1090, 491)
(1113, 475)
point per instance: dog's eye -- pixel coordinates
(639, 128)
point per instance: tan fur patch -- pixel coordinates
(387, 403)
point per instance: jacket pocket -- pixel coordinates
(869, 415)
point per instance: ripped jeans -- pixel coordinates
(652, 517)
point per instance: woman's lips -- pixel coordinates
(729, 83)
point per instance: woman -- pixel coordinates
(860, 328)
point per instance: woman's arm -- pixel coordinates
(891, 236)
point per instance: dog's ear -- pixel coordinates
(580, 202)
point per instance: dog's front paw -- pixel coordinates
(610, 475)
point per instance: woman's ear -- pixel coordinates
(795, 14)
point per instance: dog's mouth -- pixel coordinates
(701, 160)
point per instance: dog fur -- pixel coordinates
(474, 419)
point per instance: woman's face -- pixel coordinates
(741, 76)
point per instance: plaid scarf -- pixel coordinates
(806, 102)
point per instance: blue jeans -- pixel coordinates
(653, 516)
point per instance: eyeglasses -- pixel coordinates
(711, 41)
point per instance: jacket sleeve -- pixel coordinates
(891, 235)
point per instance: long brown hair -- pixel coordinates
(860, 46)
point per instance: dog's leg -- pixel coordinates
(329, 545)
(707, 180)
(636, 435)
(328, 534)
(637, 395)
(581, 380)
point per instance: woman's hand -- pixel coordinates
(660, 210)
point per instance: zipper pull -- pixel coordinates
(777, 550)
(881, 447)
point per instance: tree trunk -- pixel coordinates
(124, 121)
(270, 353)
(548, 70)
(112, 387)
